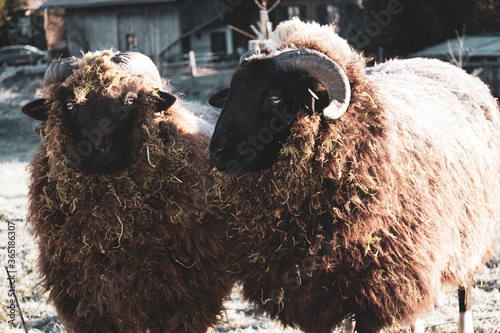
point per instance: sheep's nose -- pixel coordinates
(218, 152)
(219, 155)
(104, 151)
(218, 148)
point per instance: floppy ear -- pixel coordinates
(37, 109)
(165, 100)
(219, 98)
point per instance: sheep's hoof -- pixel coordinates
(465, 324)
(348, 325)
(418, 326)
(360, 329)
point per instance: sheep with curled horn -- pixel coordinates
(355, 192)
(118, 190)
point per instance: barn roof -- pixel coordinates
(34, 4)
(95, 3)
(474, 46)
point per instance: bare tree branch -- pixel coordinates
(274, 6)
(259, 5)
(463, 53)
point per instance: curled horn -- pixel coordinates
(60, 70)
(136, 63)
(318, 66)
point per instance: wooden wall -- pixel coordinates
(155, 26)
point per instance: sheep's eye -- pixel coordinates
(274, 100)
(70, 106)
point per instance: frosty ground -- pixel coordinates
(17, 142)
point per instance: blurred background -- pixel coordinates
(217, 32)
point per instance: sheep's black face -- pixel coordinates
(101, 129)
(103, 132)
(257, 111)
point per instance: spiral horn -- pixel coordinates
(60, 70)
(320, 67)
(136, 63)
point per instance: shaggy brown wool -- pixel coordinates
(127, 252)
(362, 216)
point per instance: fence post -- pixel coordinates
(192, 63)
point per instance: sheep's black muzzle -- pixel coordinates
(99, 151)
(101, 159)
(104, 160)
(238, 156)
(223, 157)
(106, 168)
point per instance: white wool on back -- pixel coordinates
(285, 31)
(440, 104)
(443, 125)
(204, 116)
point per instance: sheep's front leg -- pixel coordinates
(92, 322)
(363, 321)
(465, 324)
(418, 326)
(361, 329)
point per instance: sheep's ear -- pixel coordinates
(219, 98)
(165, 100)
(37, 110)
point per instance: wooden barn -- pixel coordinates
(166, 30)
(224, 26)
(148, 26)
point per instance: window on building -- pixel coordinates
(326, 14)
(287, 13)
(333, 13)
(186, 44)
(293, 11)
(218, 45)
(131, 42)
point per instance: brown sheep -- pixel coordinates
(364, 210)
(118, 189)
